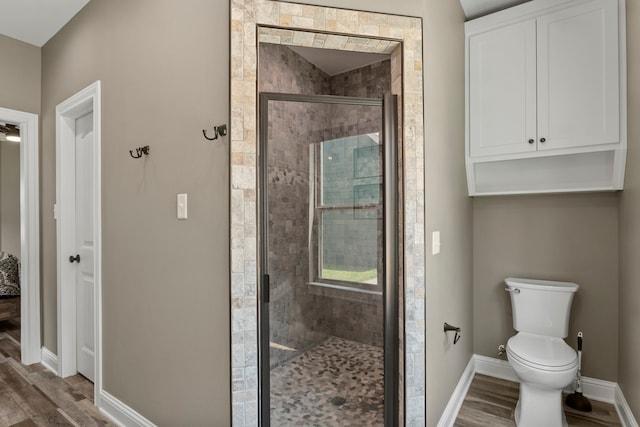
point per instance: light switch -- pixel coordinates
(182, 206)
(435, 243)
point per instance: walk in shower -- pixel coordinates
(328, 194)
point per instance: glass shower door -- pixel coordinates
(328, 294)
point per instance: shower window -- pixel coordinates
(348, 206)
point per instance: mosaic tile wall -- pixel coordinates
(246, 18)
(293, 311)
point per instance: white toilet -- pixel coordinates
(542, 360)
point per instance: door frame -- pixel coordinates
(391, 267)
(84, 102)
(30, 340)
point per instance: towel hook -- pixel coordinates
(451, 328)
(218, 131)
(139, 152)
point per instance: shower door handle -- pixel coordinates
(265, 288)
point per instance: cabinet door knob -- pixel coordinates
(531, 141)
(543, 139)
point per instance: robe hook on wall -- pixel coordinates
(139, 152)
(218, 131)
(451, 328)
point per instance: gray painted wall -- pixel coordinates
(568, 237)
(629, 314)
(165, 76)
(20, 82)
(448, 208)
(20, 77)
(10, 198)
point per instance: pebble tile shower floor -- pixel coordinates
(336, 383)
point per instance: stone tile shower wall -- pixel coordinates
(302, 315)
(293, 311)
(248, 18)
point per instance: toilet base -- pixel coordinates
(539, 407)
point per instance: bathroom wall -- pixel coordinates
(164, 68)
(20, 76)
(566, 237)
(629, 314)
(10, 197)
(20, 83)
(301, 314)
(448, 279)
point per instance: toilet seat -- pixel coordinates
(542, 352)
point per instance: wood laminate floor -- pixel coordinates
(492, 402)
(34, 396)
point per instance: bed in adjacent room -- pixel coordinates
(9, 286)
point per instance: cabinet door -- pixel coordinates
(502, 90)
(578, 76)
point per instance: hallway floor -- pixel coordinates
(492, 402)
(34, 396)
(336, 383)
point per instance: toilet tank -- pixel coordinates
(541, 306)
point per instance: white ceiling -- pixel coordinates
(476, 8)
(335, 62)
(36, 21)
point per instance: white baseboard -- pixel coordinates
(120, 413)
(600, 390)
(110, 406)
(493, 367)
(624, 411)
(49, 360)
(603, 391)
(450, 413)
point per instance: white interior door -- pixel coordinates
(85, 335)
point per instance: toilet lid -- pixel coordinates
(548, 353)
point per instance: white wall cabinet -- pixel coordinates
(546, 101)
(502, 85)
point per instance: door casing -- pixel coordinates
(80, 104)
(30, 341)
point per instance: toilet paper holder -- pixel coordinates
(451, 328)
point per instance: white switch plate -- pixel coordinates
(435, 243)
(182, 206)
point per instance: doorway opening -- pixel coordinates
(21, 243)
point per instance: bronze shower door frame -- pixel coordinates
(391, 257)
